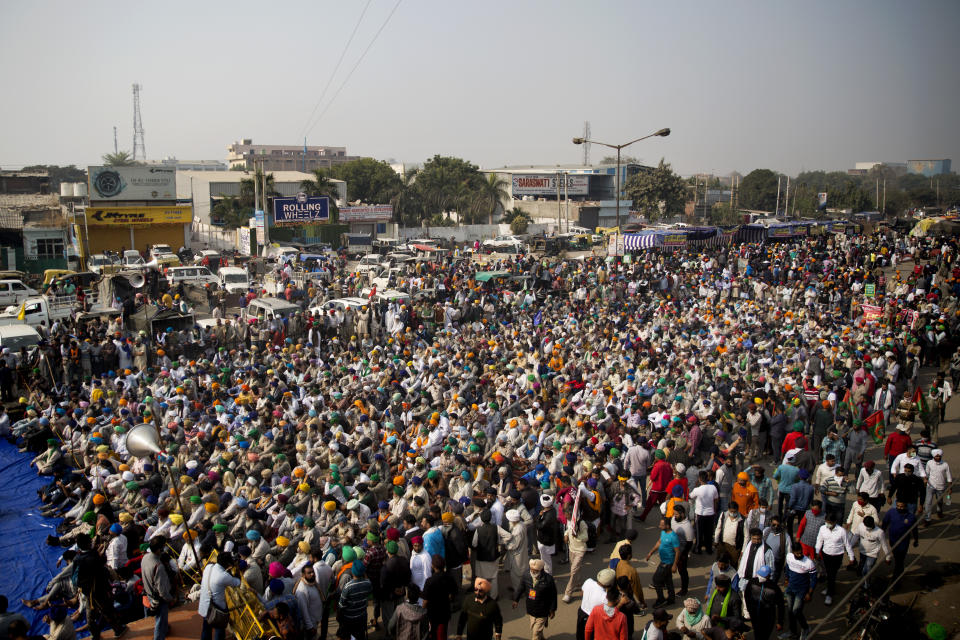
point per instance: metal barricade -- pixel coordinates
(246, 611)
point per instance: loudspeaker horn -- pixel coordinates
(142, 440)
(136, 280)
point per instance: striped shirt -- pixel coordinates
(353, 599)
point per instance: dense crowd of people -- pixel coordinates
(364, 466)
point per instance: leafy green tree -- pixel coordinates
(59, 175)
(518, 219)
(623, 160)
(656, 192)
(119, 159)
(369, 181)
(442, 183)
(228, 212)
(322, 185)
(758, 190)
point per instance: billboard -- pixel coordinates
(371, 213)
(132, 183)
(138, 216)
(822, 200)
(545, 184)
(301, 209)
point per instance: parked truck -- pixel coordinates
(39, 309)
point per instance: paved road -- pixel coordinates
(944, 552)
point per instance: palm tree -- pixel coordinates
(251, 186)
(493, 191)
(118, 159)
(408, 209)
(321, 185)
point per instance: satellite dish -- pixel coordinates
(143, 441)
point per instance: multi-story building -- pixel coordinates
(248, 156)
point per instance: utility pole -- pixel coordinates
(776, 210)
(786, 200)
(559, 206)
(115, 147)
(566, 196)
(263, 194)
(884, 207)
(878, 193)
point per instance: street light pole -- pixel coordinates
(619, 147)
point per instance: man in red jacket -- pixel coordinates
(660, 476)
(897, 442)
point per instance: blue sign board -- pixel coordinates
(301, 209)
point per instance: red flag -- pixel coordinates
(373, 292)
(875, 420)
(919, 401)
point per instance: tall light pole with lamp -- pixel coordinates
(661, 133)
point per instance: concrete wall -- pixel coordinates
(471, 232)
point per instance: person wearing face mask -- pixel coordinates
(728, 536)
(779, 543)
(801, 581)
(755, 554)
(831, 543)
(897, 522)
(870, 481)
(809, 527)
(872, 541)
(858, 511)
(909, 489)
(764, 601)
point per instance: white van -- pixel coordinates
(15, 336)
(13, 292)
(199, 276)
(266, 309)
(234, 279)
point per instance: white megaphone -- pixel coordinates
(143, 440)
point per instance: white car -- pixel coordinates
(198, 276)
(368, 262)
(354, 303)
(158, 250)
(504, 242)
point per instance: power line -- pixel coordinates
(359, 60)
(335, 69)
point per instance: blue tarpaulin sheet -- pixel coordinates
(27, 562)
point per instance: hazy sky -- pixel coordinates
(786, 85)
